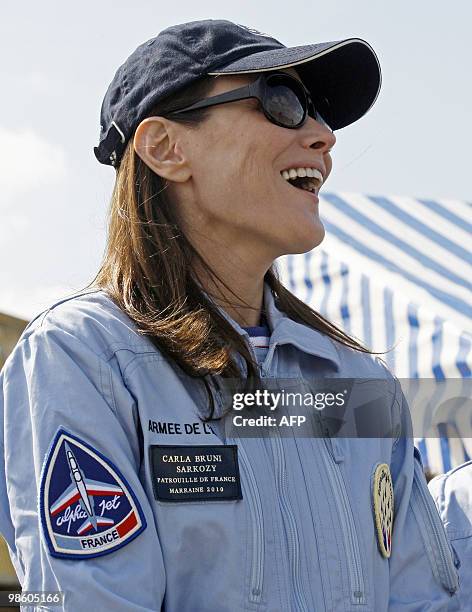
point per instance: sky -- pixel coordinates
(58, 58)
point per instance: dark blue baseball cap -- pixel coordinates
(345, 72)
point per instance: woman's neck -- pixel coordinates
(244, 307)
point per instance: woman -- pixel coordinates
(221, 139)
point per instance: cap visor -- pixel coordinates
(343, 77)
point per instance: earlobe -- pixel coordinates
(156, 141)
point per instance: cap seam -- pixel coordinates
(244, 55)
(125, 83)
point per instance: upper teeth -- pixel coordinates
(292, 173)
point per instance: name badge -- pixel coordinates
(195, 473)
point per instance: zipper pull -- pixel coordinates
(334, 444)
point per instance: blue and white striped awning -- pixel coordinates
(396, 272)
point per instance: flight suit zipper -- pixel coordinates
(293, 541)
(288, 517)
(357, 586)
(433, 534)
(253, 500)
(257, 522)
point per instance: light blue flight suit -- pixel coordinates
(294, 530)
(452, 493)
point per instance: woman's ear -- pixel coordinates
(156, 141)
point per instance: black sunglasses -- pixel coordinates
(284, 99)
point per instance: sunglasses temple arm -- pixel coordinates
(242, 93)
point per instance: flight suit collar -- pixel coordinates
(284, 330)
(287, 331)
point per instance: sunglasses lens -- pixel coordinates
(284, 103)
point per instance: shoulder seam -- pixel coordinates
(457, 468)
(63, 300)
(46, 320)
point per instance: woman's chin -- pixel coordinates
(308, 240)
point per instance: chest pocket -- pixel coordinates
(209, 515)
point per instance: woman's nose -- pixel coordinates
(318, 136)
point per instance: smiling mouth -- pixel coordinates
(307, 179)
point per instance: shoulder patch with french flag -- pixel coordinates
(87, 508)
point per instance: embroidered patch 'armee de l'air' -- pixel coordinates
(382, 497)
(87, 508)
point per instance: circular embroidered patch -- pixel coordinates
(382, 494)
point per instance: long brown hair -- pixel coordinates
(148, 272)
